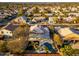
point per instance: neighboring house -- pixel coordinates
(49, 14)
(9, 29)
(20, 20)
(74, 9)
(51, 20)
(36, 15)
(40, 31)
(31, 9)
(75, 46)
(38, 19)
(5, 32)
(74, 14)
(67, 33)
(12, 26)
(69, 19)
(41, 34)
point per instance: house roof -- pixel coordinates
(40, 32)
(75, 46)
(24, 18)
(11, 27)
(68, 33)
(1, 24)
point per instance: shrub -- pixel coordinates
(3, 46)
(16, 46)
(68, 51)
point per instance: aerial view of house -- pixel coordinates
(36, 29)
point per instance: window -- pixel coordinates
(7, 32)
(10, 32)
(2, 32)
